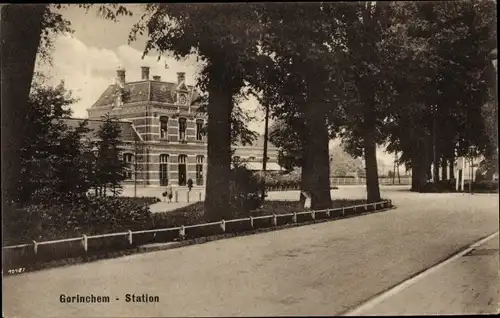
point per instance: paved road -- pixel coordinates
(466, 285)
(321, 269)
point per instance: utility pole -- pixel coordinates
(435, 168)
(264, 159)
(135, 166)
(397, 167)
(394, 169)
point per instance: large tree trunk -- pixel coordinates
(304, 172)
(435, 150)
(217, 200)
(372, 185)
(370, 151)
(419, 167)
(317, 161)
(444, 169)
(303, 184)
(20, 38)
(419, 174)
(452, 170)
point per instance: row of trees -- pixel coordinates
(61, 163)
(410, 74)
(369, 72)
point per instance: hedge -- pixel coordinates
(95, 215)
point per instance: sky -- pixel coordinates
(87, 61)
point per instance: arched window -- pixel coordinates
(163, 127)
(182, 170)
(164, 169)
(129, 168)
(199, 169)
(182, 129)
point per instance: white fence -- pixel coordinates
(30, 252)
(362, 181)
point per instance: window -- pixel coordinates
(163, 170)
(163, 127)
(127, 159)
(182, 129)
(182, 170)
(199, 129)
(199, 170)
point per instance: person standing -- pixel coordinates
(170, 193)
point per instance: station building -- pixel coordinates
(162, 132)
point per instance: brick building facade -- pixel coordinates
(162, 131)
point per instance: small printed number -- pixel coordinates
(16, 270)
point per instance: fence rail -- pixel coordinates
(28, 254)
(360, 181)
(345, 181)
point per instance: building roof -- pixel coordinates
(258, 143)
(127, 132)
(145, 91)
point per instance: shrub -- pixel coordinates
(245, 191)
(483, 186)
(141, 200)
(188, 215)
(275, 180)
(441, 186)
(96, 215)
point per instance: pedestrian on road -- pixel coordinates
(190, 184)
(169, 193)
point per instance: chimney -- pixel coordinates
(181, 76)
(157, 78)
(145, 73)
(120, 75)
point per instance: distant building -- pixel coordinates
(162, 131)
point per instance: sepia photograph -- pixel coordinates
(248, 159)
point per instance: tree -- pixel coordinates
(444, 47)
(21, 36)
(297, 80)
(224, 38)
(363, 29)
(287, 137)
(110, 168)
(342, 164)
(240, 133)
(51, 161)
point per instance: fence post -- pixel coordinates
(313, 215)
(130, 237)
(182, 232)
(251, 221)
(294, 217)
(275, 220)
(176, 196)
(187, 196)
(223, 226)
(85, 242)
(35, 247)
(199, 196)
(366, 207)
(343, 211)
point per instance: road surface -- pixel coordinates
(321, 269)
(468, 284)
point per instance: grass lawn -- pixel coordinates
(193, 214)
